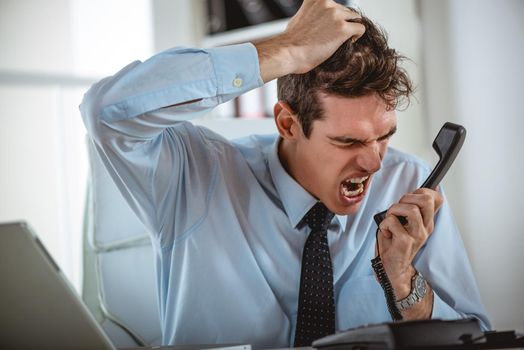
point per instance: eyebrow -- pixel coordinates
(352, 140)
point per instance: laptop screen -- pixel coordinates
(38, 306)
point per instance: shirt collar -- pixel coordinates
(342, 221)
(295, 199)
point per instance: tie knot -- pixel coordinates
(318, 217)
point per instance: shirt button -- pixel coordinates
(237, 82)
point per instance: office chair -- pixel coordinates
(119, 284)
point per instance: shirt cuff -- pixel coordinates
(236, 68)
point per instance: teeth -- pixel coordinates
(357, 180)
(346, 192)
(356, 183)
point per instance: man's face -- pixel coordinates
(345, 148)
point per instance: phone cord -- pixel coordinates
(385, 283)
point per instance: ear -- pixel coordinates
(286, 121)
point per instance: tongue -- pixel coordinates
(351, 190)
(351, 186)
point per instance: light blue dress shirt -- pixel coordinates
(225, 217)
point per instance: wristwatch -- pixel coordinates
(419, 288)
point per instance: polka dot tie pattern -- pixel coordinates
(316, 303)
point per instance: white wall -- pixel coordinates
(400, 19)
(51, 51)
(35, 43)
(175, 23)
(35, 35)
(43, 167)
(474, 53)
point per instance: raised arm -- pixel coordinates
(134, 116)
(135, 120)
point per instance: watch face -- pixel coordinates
(420, 286)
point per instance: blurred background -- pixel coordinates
(466, 60)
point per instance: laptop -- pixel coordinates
(38, 306)
(39, 309)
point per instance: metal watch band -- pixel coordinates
(418, 291)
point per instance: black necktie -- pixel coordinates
(316, 303)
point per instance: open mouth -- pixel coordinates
(353, 187)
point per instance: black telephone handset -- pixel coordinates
(447, 144)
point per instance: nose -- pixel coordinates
(370, 158)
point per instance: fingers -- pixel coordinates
(354, 27)
(428, 201)
(312, 35)
(415, 225)
(421, 206)
(350, 14)
(331, 11)
(391, 225)
(419, 209)
(356, 30)
(398, 244)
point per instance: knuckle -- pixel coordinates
(389, 212)
(427, 197)
(408, 197)
(404, 198)
(340, 24)
(333, 14)
(387, 221)
(421, 237)
(420, 190)
(413, 210)
(410, 240)
(322, 7)
(424, 191)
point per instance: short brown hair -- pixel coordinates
(356, 69)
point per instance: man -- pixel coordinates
(231, 221)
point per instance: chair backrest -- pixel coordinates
(119, 278)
